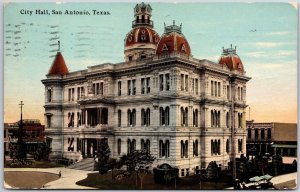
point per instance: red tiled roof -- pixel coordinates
(232, 61)
(141, 35)
(173, 42)
(59, 66)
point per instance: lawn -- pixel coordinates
(106, 182)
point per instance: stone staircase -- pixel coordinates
(87, 164)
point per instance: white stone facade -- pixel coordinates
(178, 105)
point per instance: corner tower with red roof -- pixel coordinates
(54, 98)
(230, 58)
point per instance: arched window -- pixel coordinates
(162, 116)
(219, 119)
(129, 118)
(182, 116)
(212, 118)
(147, 117)
(167, 148)
(186, 116)
(161, 148)
(195, 118)
(186, 151)
(227, 146)
(195, 148)
(167, 115)
(143, 117)
(143, 144)
(182, 148)
(148, 145)
(119, 146)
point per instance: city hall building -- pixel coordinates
(160, 98)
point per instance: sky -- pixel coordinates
(265, 35)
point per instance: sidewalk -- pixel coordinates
(67, 181)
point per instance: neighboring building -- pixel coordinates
(33, 133)
(161, 99)
(279, 138)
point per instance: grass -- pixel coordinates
(106, 182)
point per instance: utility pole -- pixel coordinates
(20, 139)
(233, 128)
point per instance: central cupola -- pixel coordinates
(142, 40)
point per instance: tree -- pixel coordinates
(138, 161)
(103, 156)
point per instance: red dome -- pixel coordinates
(59, 66)
(141, 35)
(173, 41)
(231, 60)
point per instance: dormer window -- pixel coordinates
(130, 58)
(183, 48)
(165, 47)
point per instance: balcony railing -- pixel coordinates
(142, 22)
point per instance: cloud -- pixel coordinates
(214, 58)
(278, 33)
(286, 53)
(266, 44)
(256, 54)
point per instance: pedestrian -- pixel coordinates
(59, 174)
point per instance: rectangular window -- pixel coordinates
(262, 134)
(78, 93)
(167, 82)
(186, 83)
(219, 89)
(69, 94)
(196, 85)
(182, 82)
(48, 121)
(97, 88)
(119, 88)
(142, 86)
(193, 86)
(242, 93)
(161, 82)
(133, 87)
(49, 94)
(256, 133)
(148, 84)
(101, 88)
(82, 92)
(182, 172)
(228, 92)
(212, 88)
(119, 118)
(129, 87)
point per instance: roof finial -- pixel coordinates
(223, 48)
(231, 46)
(235, 47)
(164, 24)
(173, 22)
(58, 46)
